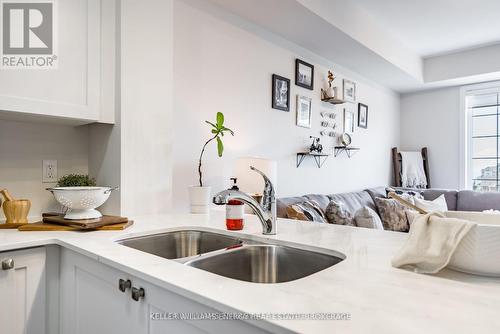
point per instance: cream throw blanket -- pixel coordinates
(432, 240)
(412, 170)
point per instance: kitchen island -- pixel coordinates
(371, 296)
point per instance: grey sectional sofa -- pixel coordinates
(463, 200)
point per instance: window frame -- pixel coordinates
(466, 129)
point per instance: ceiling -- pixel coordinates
(432, 27)
(405, 45)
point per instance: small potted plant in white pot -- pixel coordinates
(199, 195)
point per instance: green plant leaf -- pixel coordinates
(212, 124)
(228, 129)
(220, 147)
(220, 120)
(214, 131)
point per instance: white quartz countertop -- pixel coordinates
(378, 297)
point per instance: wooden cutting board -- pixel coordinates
(6, 226)
(84, 224)
(41, 226)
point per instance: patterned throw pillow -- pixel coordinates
(407, 195)
(307, 210)
(366, 217)
(337, 213)
(393, 214)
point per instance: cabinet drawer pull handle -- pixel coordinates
(7, 264)
(123, 285)
(137, 294)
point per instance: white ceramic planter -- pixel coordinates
(199, 199)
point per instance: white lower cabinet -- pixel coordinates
(23, 291)
(91, 302)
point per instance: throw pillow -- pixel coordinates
(439, 204)
(366, 217)
(407, 195)
(337, 213)
(393, 214)
(307, 210)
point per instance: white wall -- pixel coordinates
(432, 119)
(220, 66)
(146, 106)
(24, 145)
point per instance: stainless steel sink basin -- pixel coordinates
(265, 263)
(181, 244)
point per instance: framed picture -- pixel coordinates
(304, 106)
(348, 121)
(304, 74)
(349, 90)
(362, 115)
(281, 93)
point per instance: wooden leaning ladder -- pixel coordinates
(396, 163)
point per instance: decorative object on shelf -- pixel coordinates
(362, 115)
(81, 202)
(330, 92)
(348, 121)
(328, 99)
(304, 105)
(332, 115)
(304, 74)
(315, 147)
(345, 139)
(325, 124)
(199, 196)
(323, 132)
(332, 134)
(15, 210)
(317, 158)
(349, 91)
(281, 93)
(350, 151)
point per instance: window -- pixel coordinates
(483, 143)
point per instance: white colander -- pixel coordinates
(81, 202)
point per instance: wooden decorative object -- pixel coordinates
(84, 224)
(396, 163)
(40, 226)
(406, 203)
(15, 210)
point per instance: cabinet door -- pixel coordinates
(22, 292)
(91, 301)
(73, 89)
(161, 301)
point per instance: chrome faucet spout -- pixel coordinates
(266, 212)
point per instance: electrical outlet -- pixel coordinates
(49, 171)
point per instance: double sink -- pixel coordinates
(234, 257)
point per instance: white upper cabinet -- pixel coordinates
(80, 89)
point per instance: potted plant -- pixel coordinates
(199, 195)
(80, 196)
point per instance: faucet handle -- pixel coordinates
(268, 193)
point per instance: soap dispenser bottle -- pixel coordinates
(234, 211)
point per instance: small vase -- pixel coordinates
(199, 199)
